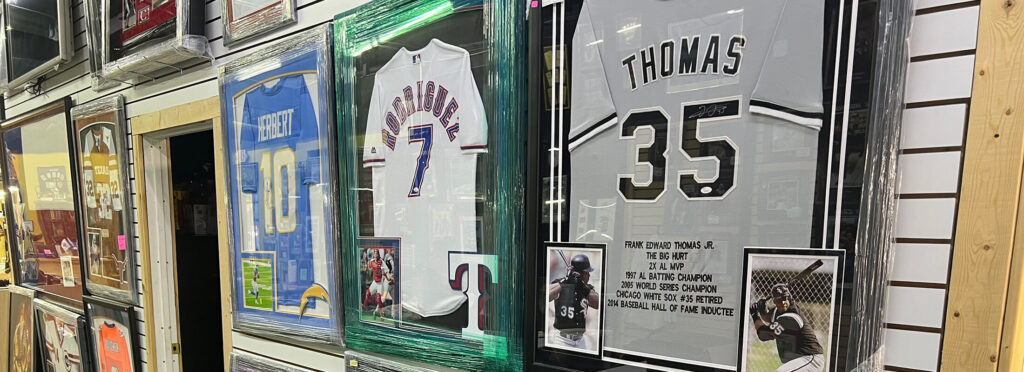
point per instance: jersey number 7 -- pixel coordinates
(691, 145)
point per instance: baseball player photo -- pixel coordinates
(790, 299)
(379, 271)
(573, 315)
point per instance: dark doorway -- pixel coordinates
(195, 239)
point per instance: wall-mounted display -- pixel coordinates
(115, 343)
(23, 335)
(669, 143)
(37, 37)
(105, 199)
(40, 179)
(428, 115)
(141, 38)
(243, 19)
(278, 105)
(243, 361)
(63, 337)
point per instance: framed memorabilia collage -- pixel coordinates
(64, 337)
(422, 141)
(114, 335)
(278, 107)
(105, 199)
(40, 177)
(687, 209)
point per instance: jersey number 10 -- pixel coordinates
(278, 195)
(654, 152)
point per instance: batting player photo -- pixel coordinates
(573, 303)
(790, 297)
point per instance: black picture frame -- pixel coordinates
(97, 308)
(43, 309)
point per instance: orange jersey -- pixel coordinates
(115, 356)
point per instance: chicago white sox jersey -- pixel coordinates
(425, 125)
(692, 121)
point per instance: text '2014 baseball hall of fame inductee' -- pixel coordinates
(677, 135)
(792, 299)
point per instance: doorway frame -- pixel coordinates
(150, 138)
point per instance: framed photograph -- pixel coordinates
(23, 335)
(40, 175)
(380, 280)
(244, 361)
(112, 326)
(105, 200)
(37, 37)
(243, 19)
(574, 290)
(277, 106)
(64, 340)
(792, 299)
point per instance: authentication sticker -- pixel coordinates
(121, 242)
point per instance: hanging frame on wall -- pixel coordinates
(41, 179)
(670, 147)
(429, 109)
(23, 335)
(37, 37)
(109, 258)
(278, 109)
(63, 338)
(112, 328)
(144, 38)
(244, 19)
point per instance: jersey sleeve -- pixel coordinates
(374, 152)
(249, 170)
(789, 84)
(593, 109)
(472, 125)
(309, 141)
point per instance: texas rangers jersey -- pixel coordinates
(692, 122)
(279, 160)
(114, 353)
(425, 125)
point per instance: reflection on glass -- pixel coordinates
(44, 225)
(32, 34)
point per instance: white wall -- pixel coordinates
(939, 80)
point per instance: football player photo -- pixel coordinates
(573, 306)
(790, 299)
(259, 283)
(378, 278)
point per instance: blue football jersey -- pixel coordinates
(279, 160)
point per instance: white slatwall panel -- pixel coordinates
(939, 82)
(192, 84)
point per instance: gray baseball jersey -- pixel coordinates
(692, 121)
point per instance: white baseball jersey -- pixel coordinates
(692, 121)
(425, 125)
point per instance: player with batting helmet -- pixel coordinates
(572, 296)
(798, 347)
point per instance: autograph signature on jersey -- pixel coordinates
(709, 110)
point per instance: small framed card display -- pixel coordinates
(105, 201)
(114, 334)
(244, 19)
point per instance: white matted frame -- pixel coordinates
(243, 19)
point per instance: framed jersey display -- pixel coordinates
(106, 201)
(40, 179)
(429, 226)
(115, 340)
(278, 107)
(63, 338)
(247, 18)
(22, 332)
(142, 37)
(678, 135)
